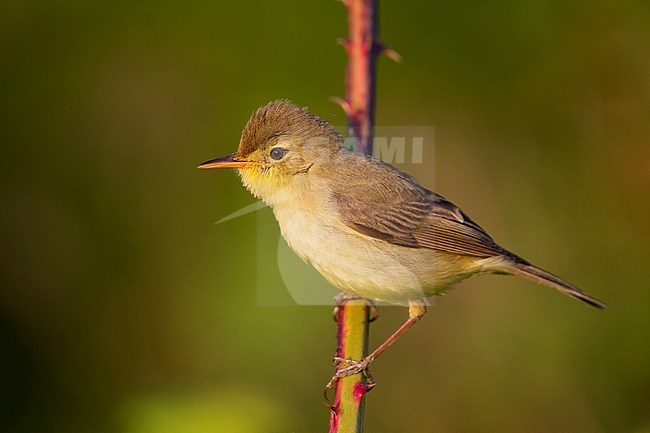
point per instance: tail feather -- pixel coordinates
(541, 276)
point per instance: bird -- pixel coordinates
(368, 228)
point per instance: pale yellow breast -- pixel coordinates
(365, 266)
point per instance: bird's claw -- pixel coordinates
(351, 367)
(348, 367)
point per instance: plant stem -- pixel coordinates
(354, 314)
(347, 411)
(362, 50)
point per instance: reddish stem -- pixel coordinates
(363, 47)
(353, 316)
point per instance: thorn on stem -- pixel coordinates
(389, 52)
(344, 104)
(344, 42)
(360, 390)
(392, 54)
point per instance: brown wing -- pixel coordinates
(449, 229)
(404, 213)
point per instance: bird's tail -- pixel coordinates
(534, 273)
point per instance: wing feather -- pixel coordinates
(404, 213)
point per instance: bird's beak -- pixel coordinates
(229, 161)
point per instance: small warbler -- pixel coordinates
(371, 230)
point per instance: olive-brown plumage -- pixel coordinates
(334, 202)
(368, 228)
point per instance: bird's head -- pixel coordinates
(279, 146)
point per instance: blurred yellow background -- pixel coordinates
(124, 308)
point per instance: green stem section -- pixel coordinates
(347, 412)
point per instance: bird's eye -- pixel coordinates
(278, 153)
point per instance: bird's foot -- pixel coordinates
(348, 367)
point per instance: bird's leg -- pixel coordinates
(416, 311)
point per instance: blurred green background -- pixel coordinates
(124, 308)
